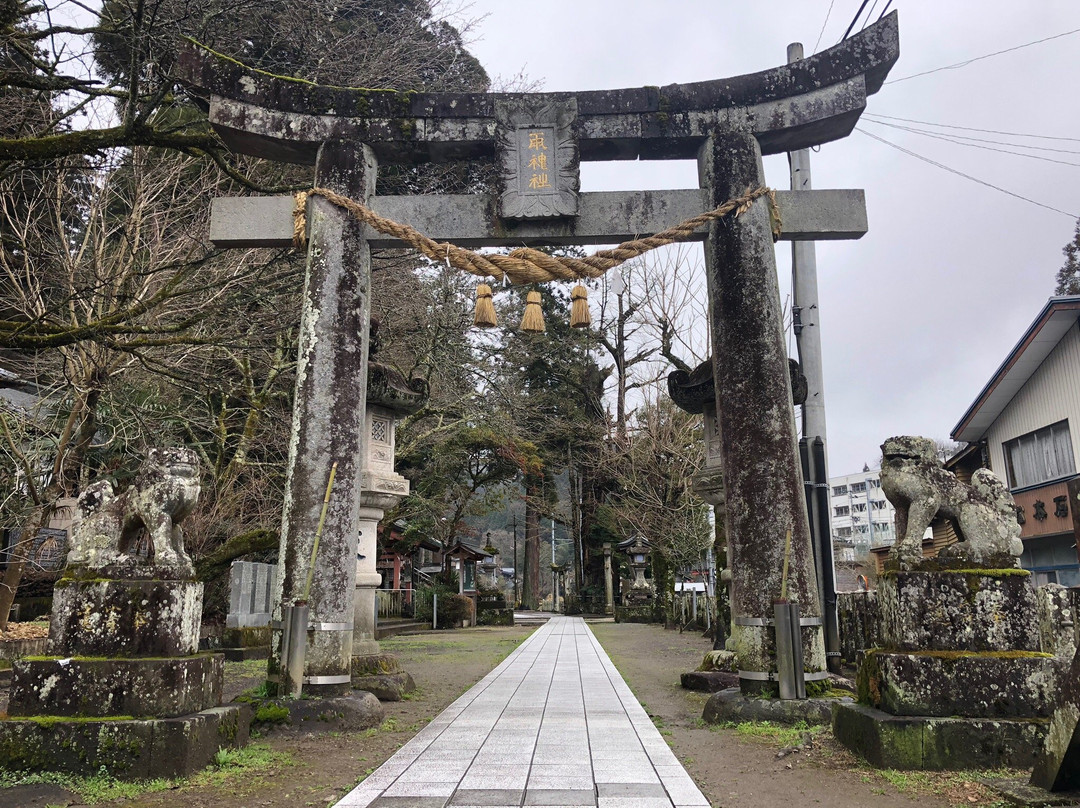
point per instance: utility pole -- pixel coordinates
(808, 340)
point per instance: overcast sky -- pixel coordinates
(918, 314)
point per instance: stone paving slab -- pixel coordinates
(553, 726)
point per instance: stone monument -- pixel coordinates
(727, 125)
(124, 687)
(961, 679)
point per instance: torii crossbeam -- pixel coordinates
(539, 140)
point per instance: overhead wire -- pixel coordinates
(855, 20)
(822, 31)
(959, 173)
(967, 62)
(953, 139)
(974, 128)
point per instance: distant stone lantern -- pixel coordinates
(491, 563)
(637, 550)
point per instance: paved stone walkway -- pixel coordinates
(553, 725)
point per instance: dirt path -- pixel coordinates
(735, 769)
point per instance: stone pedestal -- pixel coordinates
(124, 688)
(960, 680)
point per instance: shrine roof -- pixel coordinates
(804, 103)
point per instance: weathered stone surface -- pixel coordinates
(1018, 792)
(916, 482)
(958, 610)
(127, 749)
(108, 528)
(709, 681)
(118, 618)
(860, 623)
(753, 405)
(795, 106)
(1057, 620)
(1057, 765)
(385, 686)
(162, 688)
(328, 417)
(1002, 685)
(733, 705)
(356, 710)
(247, 637)
(921, 742)
(604, 217)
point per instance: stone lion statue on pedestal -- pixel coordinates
(108, 528)
(920, 488)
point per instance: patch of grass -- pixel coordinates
(101, 787)
(778, 734)
(228, 765)
(958, 788)
(245, 669)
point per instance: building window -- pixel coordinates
(843, 532)
(858, 488)
(860, 507)
(841, 510)
(875, 483)
(1039, 456)
(839, 490)
(879, 504)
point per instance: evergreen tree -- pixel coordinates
(1068, 277)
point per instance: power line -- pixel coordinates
(963, 138)
(966, 62)
(944, 167)
(973, 128)
(855, 20)
(950, 139)
(822, 31)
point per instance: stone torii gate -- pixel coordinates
(726, 125)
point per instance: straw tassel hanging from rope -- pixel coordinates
(485, 308)
(579, 307)
(533, 320)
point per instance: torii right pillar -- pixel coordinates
(759, 443)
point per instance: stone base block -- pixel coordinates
(382, 676)
(1019, 792)
(355, 711)
(958, 610)
(637, 614)
(731, 705)
(495, 617)
(128, 749)
(925, 742)
(246, 637)
(942, 683)
(106, 618)
(709, 681)
(241, 654)
(162, 688)
(386, 686)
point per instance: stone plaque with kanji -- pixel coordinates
(540, 160)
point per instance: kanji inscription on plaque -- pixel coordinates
(539, 159)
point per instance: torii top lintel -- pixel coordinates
(803, 104)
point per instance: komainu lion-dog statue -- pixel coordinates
(983, 514)
(109, 528)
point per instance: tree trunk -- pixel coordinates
(530, 589)
(17, 563)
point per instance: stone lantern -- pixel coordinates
(640, 590)
(390, 396)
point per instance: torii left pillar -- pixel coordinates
(328, 421)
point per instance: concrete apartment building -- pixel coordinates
(861, 516)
